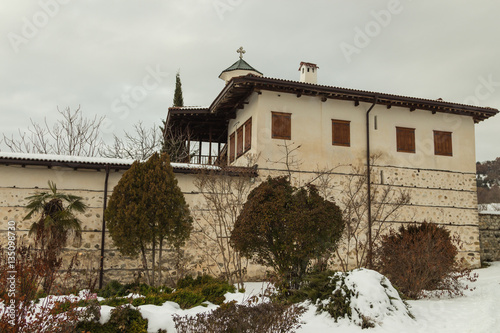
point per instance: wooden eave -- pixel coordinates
(239, 88)
(201, 123)
(236, 92)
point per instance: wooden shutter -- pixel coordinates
(248, 134)
(231, 148)
(341, 133)
(442, 143)
(405, 139)
(239, 141)
(281, 125)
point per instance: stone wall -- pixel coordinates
(445, 198)
(17, 183)
(489, 233)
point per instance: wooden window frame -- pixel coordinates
(276, 117)
(400, 146)
(346, 141)
(239, 141)
(248, 135)
(440, 146)
(231, 147)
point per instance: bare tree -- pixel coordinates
(289, 160)
(351, 195)
(176, 143)
(386, 202)
(73, 134)
(224, 196)
(137, 145)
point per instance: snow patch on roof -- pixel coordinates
(93, 160)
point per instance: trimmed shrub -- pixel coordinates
(286, 228)
(420, 258)
(231, 317)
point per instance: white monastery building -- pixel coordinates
(259, 126)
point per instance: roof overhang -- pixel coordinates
(102, 163)
(238, 89)
(236, 92)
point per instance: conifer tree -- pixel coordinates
(147, 211)
(178, 100)
(285, 227)
(174, 139)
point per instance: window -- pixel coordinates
(341, 133)
(239, 141)
(281, 125)
(405, 139)
(248, 134)
(231, 148)
(442, 143)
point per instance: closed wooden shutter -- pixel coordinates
(442, 143)
(405, 139)
(231, 148)
(341, 133)
(248, 134)
(239, 141)
(281, 125)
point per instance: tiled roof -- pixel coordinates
(96, 163)
(308, 64)
(239, 87)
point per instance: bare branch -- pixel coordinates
(224, 197)
(138, 145)
(71, 135)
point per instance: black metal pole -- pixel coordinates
(103, 232)
(368, 185)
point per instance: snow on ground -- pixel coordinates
(478, 311)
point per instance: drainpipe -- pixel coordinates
(103, 232)
(369, 186)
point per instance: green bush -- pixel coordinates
(321, 289)
(204, 279)
(112, 289)
(124, 319)
(315, 286)
(190, 293)
(116, 301)
(94, 327)
(116, 289)
(339, 294)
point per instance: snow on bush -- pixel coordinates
(365, 297)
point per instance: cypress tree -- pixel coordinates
(178, 100)
(147, 211)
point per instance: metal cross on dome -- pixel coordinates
(241, 52)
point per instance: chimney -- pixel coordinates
(308, 72)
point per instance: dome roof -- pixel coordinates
(240, 65)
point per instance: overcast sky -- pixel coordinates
(119, 58)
